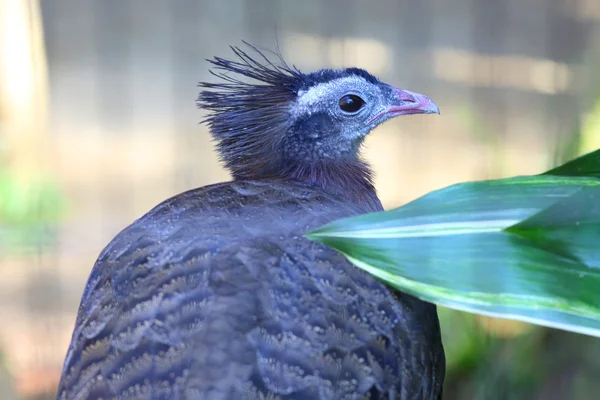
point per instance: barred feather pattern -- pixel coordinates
(215, 294)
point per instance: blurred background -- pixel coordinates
(98, 124)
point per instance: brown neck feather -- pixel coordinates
(348, 179)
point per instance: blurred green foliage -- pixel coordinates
(26, 204)
(27, 208)
(534, 363)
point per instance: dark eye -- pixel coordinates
(351, 103)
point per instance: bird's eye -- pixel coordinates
(351, 103)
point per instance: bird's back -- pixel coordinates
(215, 294)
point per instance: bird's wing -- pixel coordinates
(215, 294)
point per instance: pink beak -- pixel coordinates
(409, 103)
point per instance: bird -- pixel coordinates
(216, 293)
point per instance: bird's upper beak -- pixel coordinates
(405, 102)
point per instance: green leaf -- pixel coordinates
(524, 248)
(586, 165)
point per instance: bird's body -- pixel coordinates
(216, 294)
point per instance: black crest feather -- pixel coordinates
(248, 119)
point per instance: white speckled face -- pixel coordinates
(351, 124)
(326, 97)
(330, 119)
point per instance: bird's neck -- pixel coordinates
(348, 179)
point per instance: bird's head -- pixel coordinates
(288, 120)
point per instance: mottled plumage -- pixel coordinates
(216, 294)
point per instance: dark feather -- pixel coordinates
(352, 179)
(215, 294)
(248, 120)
